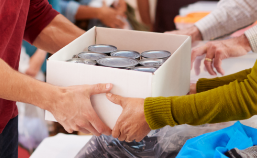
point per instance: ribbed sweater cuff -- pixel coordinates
(208, 27)
(204, 84)
(158, 112)
(251, 35)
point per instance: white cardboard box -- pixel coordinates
(171, 79)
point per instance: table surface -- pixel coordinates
(60, 146)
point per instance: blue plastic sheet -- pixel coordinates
(215, 144)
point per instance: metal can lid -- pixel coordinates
(82, 61)
(151, 62)
(160, 54)
(91, 55)
(118, 62)
(102, 48)
(145, 69)
(126, 53)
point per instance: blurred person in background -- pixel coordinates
(230, 16)
(89, 13)
(166, 11)
(44, 27)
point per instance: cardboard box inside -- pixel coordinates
(172, 78)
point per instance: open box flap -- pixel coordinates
(126, 83)
(75, 47)
(173, 77)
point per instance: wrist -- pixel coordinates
(244, 42)
(196, 34)
(50, 97)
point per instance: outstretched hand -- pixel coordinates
(216, 51)
(131, 125)
(75, 112)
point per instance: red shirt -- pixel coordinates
(19, 19)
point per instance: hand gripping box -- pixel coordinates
(171, 79)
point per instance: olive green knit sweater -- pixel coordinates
(221, 99)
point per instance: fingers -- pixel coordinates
(217, 62)
(118, 22)
(198, 51)
(104, 3)
(208, 64)
(197, 65)
(83, 130)
(99, 88)
(66, 127)
(116, 99)
(116, 131)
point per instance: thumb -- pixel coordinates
(104, 3)
(198, 51)
(100, 88)
(116, 99)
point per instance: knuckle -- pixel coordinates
(98, 87)
(101, 130)
(76, 128)
(206, 63)
(209, 44)
(218, 52)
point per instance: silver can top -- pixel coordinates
(102, 48)
(151, 62)
(91, 55)
(126, 53)
(118, 62)
(82, 61)
(159, 54)
(145, 69)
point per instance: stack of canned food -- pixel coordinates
(108, 55)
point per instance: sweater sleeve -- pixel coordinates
(251, 35)
(234, 101)
(204, 84)
(229, 16)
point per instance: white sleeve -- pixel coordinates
(229, 16)
(251, 35)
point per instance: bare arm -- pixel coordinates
(71, 106)
(106, 14)
(18, 87)
(144, 10)
(57, 34)
(36, 62)
(86, 12)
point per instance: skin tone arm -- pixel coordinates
(106, 14)
(70, 106)
(36, 62)
(57, 34)
(216, 50)
(192, 31)
(144, 11)
(219, 50)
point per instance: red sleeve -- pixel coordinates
(40, 15)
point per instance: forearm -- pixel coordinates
(18, 87)
(57, 34)
(144, 11)
(229, 16)
(38, 59)
(85, 12)
(204, 84)
(235, 101)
